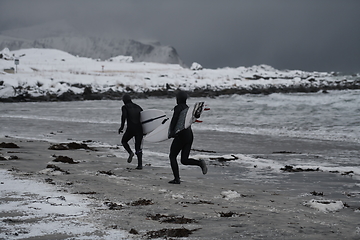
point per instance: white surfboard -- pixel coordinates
(160, 133)
(191, 115)
(187, 117)
(151, 119)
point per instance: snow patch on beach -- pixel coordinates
(230, 194)
(257, 164)
(325, 205)
(243, 159)
(31, 209)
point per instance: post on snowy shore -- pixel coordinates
(16, 63)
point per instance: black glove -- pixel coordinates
(172, 134)
(120, 130)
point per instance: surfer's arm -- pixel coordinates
(174, 120)
(123, 118)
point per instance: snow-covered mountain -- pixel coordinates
(59, 35)
(98, 48)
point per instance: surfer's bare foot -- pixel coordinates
(203, 166)
(138, 167)
(175, 181)
(131, 155)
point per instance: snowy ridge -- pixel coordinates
(97, 48)
(50, 74)
(63, 36)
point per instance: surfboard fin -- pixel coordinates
(164, 121)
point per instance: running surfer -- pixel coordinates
(131, 114)
(182, 141)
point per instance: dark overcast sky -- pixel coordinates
(313, 35)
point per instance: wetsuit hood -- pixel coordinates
(181, 97)
(126, 99)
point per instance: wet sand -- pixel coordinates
(212, 206)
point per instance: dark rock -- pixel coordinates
(317, 193)
(292, 169)
(222, 159)
(70, 146)
(171, 219)
(65, 159)
(285, 152)
(133, 231)
(110, 173)
(164, 233)
(58, 147)
(142, 202)
(113, 206)
(306, 86)
(68, 96)
(8, 145)
(56, 168)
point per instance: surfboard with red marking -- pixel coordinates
(187, 117)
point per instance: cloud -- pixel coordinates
(309, 35)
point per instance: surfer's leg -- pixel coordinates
(174, 151)
(185, 160)
(185, 153)
(139, 158)
(138, 141)
(124, 141)
(187, 140)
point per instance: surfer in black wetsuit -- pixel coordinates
(131, 114)
(182, 141)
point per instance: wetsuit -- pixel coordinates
(182, 141)
(131, 114)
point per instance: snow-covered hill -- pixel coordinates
(49, 74)
(98, 48)
(63, 36)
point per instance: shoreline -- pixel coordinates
(89, 94)
(212, 206)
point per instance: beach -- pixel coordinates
(281, 145)
(249, 201)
